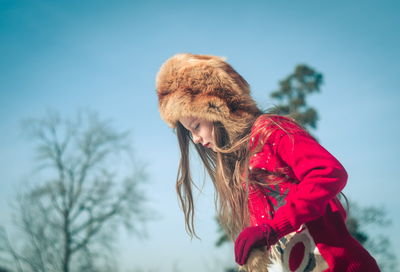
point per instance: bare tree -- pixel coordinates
(69, 219)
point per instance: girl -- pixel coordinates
(276, 186)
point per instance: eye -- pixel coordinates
(196, 128)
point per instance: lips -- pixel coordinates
(207, 145)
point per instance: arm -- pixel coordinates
(321, 177)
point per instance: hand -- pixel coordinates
(253, 237)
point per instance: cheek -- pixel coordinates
(210, 134)
(206, 134)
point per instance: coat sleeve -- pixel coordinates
(320, 178)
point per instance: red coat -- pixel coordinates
(305, 199)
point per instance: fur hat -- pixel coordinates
(206, 87)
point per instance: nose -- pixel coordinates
(196, 139)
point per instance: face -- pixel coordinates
(200, 129)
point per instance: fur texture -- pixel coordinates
(277, 259)
(206, 87)
(258, 261)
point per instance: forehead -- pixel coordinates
(187, 121)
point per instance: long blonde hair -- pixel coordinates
(228, 170)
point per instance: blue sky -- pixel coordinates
(104, 55)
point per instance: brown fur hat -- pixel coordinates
(206, 87)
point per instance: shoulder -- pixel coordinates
(274, 121)
(270, 128)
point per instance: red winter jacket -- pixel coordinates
(305, 197)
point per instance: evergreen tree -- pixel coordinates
(292, 93)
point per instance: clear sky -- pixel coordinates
(104, 55)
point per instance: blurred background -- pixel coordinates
(78, 113)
